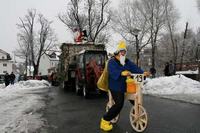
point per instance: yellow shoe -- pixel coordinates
(106, 125)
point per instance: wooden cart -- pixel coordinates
(138, 115)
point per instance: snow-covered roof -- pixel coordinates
(50, 53)
(2, 51)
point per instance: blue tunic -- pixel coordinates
(116, 82)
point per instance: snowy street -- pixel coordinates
(29, 106)
(69, 113)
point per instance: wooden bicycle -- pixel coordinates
(138, 115)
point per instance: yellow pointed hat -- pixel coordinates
(121, 46)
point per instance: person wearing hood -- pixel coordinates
(119, 67)
(7, 79)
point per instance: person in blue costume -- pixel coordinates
(119, 67)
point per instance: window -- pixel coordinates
(3, 57)
(4, 71)
(5, 65)
(98, 58)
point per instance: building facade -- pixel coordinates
(49, 62)
(6, 65)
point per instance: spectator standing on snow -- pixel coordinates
(171, 68)
(7, 79)
(166, 70)
(12, 78)
(153, 72)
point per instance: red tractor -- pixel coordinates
(89, 65)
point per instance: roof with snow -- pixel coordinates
(53, 54)
(2, 51)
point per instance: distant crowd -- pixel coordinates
(169, 70)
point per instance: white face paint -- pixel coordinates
(122, 59)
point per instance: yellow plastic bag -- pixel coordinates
(102, 83)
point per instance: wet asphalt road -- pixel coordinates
(68, 113)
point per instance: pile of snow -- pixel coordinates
(2, 86)
(176, 87)
(187, 72)
(19, 106)
(29, 84)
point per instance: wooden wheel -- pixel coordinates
(138, 122)
(108, 106)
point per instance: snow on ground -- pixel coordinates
(187, 72)
(176, 87)
(20, 105)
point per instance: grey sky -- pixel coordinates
(188, 12)
(11, 10)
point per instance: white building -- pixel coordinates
(5, 63)
(49, 62)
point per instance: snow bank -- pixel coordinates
(172, 85)
(19, 106)
(187, 72)
(2, 86)
(176, 87)
(29, 84)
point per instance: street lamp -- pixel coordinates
(135, 32)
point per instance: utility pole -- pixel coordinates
(137, 50)
(183, 48)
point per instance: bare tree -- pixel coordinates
(198, 56)
(94, 17)
(45, 41)
(129, 19)
(171, 20)
(34, 44)
(197, 52)
(147, 15)
(26, 35)
(73, 18)
(165, 49)
(156, 10)
(23, 50)
(198, 4)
